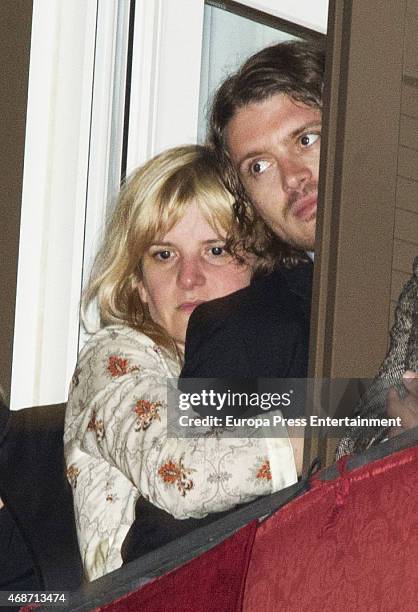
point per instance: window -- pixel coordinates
(228, 39)
(84, 123)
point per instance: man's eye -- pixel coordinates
(259, 166)
(307, 140)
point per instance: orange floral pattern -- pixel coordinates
(173, 473)
(264, 471)
(72, 475)
(147, 412)
(119, 366)
(97, 426)
(118, 447)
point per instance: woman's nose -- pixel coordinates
(190, 274)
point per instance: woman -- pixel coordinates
(163, 254)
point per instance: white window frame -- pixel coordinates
(165, 40)
(311, 14)
(73, 106)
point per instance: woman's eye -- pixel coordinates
(259, 166)
(217, 251)
(307, 140)
(162, 255)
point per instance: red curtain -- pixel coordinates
(348, 545)
(211, 583)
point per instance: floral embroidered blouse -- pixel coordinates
(116, 449)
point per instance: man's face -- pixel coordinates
(275, 147)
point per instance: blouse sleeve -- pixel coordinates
(117, 411)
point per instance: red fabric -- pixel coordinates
(348, 545)
(212, 582)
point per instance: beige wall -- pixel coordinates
(15, 29)
(405, 244)
(359, 166)
(366, 222)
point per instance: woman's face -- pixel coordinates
(188, 266)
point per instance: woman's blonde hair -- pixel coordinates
(151, 202)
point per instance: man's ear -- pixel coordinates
(143, 293)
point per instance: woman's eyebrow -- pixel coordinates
(172, 244)
(161, 243)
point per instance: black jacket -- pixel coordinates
(259, 331)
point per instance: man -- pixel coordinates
(266, 127)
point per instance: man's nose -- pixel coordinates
(295, 174)
(190, 274)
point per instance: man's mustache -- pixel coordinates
(298, 194)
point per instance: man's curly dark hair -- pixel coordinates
(293, 68)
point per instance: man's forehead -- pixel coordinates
(253, 125)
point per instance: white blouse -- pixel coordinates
(116, 449)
